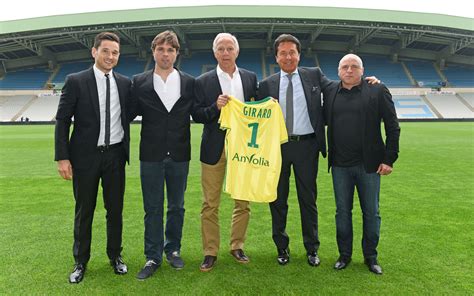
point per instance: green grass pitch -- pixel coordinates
(426, 246)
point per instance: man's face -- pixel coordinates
(165, 55)
(288, 56)
(106, 55)
(226, 53)
(350, 72)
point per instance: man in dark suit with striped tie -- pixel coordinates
(97, 149)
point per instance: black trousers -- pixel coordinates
(109, 168)
(303, 156)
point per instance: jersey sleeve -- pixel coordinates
(224, 118)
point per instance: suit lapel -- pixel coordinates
(245, 85)
(216, 83)
(365, 96)
(93, 92)
(121, 93)
(150, 89)
(274, 86)
(307, 84)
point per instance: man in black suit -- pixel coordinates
(212, 90)
(97, 149)
(358, 156)
(164, 97)
(298, 91)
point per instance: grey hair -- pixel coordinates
(351, 56)
(224, 35)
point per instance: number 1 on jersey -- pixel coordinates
(253, 140)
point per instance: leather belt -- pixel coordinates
(297, 138)
(104, 148)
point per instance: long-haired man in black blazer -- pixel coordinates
(164, 97)
(96, 150)
(212, 93)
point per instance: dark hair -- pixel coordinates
(286, 38)
(105, 36)
(166, 37)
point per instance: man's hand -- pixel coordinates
(65, 169)
(222, 101)
(384, 169)
(372, 80)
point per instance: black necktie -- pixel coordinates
(107, 111)
(289, 105)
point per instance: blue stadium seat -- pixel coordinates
(460, 76)
(130, 66)
(25, 79)
(66, 69)
(424, 73)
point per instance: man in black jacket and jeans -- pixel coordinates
(164, 98)
(354, 110)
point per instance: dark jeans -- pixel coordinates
(154, 175)
(345, 179)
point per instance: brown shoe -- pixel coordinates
(240, 256)
(208, 263)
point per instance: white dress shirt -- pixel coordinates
(116, 129)
(169, 91)
(231, 86)
(301, 122)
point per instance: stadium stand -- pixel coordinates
(424, 73)
(412, 107)
(459, 76)
(392, 74)
(25, 79)
(43, 108)
(130, 66)
(68, 68)
(12, 106)
(251, 60)
(197, 63)
(468, 97)
(449, 106)
(329, 62)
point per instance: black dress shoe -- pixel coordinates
(240, 256)
(373, 266)
(342, 263)
(283, 256)
(208, 263)
(77, 274)
(313, 259)
(119, 266)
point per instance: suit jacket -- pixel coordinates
(207, 89)
(163, 134)
(377, 105)
(79, 98)
(313, 81)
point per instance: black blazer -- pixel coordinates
(377, 105)
(163, 134)
(207, 89)
(80, 99)
(313, 81)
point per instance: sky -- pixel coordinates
(35, 8)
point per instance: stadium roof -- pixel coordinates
(46, 41)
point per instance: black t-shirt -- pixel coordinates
(347, 127)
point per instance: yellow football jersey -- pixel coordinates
(254, 133)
